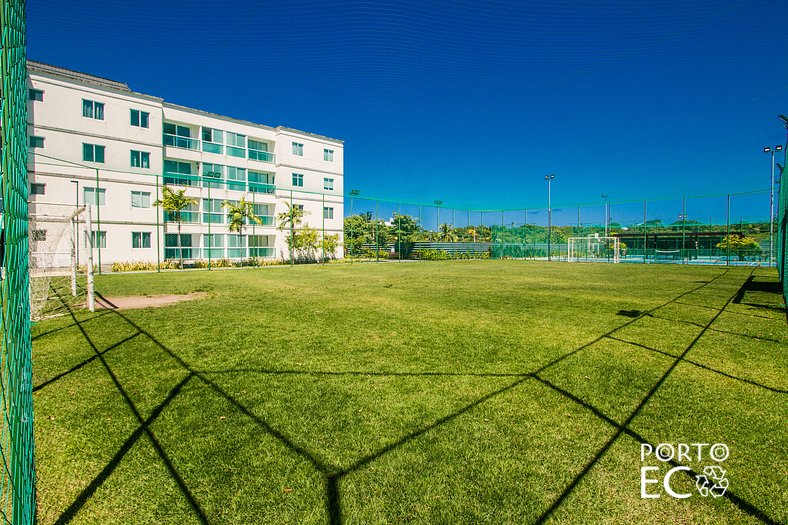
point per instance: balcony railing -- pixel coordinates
(177, 141)
(187, 217)
(262, 156)
(218, 252)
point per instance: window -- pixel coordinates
(93, 153)
(140, 119)
(299, 206)
(258, 150)
(212, 140)
(38, 189)
(236, 145)
(261, 182)
(36, 142)
(298, 149)
(328, 184)
(236, 246)
(35, 95)
(38, 235)
(140, 199)
(89, 196)
(236, 178)
(102, 239)
(298, 180)
(179, 136)
(212, 175)
(171, 249)
(140, 239)
(212, 211)
(140, 159)
(179, 173)
(328, 155)
(328, 213)
(213, 245)
(93, 109)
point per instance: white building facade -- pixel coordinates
(94, 142)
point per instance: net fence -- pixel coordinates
(17, 487)
(729, 229)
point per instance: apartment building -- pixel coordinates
(95, 142)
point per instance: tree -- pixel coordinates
(239, 214)
(406, 228)
(175, 202)
(743, 246)
(446, 233)
(356, 230)
(289, 219)
(330, 245)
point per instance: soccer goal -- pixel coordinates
(666, 256)
(55, 283)
(593, 248)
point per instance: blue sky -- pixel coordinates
(468, 102)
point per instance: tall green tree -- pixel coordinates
(239, 214)
(289, 220)
(446, 233)
(175, 202)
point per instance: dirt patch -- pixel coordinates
(145, 301)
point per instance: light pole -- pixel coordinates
(607, 213)
(437, 219)
(353, 193)
(771, 201)
(549, 179)
(683, 217)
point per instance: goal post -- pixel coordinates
(54, 260)
(594, 248)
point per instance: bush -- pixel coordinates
(136, 266)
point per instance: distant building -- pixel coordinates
(94, 141)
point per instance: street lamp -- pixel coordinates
(549, 179)
(607, 212)
(771, 201)
(683, 218)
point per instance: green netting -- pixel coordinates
(17, 489)
(782, 226)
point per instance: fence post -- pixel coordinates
(89, 238)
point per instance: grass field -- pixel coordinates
(445, 392)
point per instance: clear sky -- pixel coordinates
(468, 102)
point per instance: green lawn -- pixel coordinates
(444, 392)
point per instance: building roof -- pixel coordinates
(76, 75)
(70, 74)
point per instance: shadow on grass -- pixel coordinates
(332, 476)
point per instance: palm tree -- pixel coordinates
(446, 233)
(239, 214)
(175, 202)
(289, 220)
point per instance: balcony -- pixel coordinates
(177, 141)
(262, 156)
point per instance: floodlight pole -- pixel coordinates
(771, 201)
(607, 214)
(549, 179)
(683, 217)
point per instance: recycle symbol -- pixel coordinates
(712, 482)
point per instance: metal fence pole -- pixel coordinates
(728, 231)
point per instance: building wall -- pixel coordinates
(60, 167)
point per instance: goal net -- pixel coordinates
(593, 248)
(55, 286)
